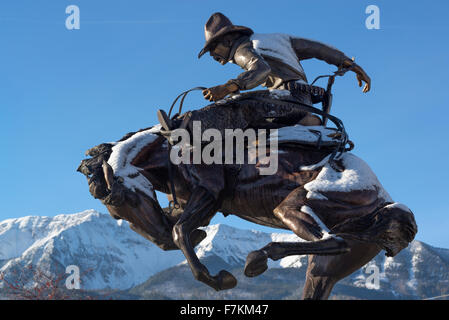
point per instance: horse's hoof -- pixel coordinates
(226, 280)
(256, 263)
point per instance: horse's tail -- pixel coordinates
(392, 227)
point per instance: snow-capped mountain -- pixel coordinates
(418, 272)
(233, 245)
(110, 255)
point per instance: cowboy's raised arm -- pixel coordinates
(257, 69)
(307, 49)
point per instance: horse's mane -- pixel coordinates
(130, 134)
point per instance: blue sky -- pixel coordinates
(62, 92)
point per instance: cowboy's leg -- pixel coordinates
(310, 120)
(306, 97)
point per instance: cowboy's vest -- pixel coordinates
(277, 46)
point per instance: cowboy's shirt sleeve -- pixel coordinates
(257, 69)
(306, 49)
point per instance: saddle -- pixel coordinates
(260, 109)
(268, 109)
(308, 136)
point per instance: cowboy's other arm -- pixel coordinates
(306, 49)
(257, 69)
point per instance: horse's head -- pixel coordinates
(115, 174)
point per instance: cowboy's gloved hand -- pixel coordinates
(360, 74)
(219, 92)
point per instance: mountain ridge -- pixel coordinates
(120, 259)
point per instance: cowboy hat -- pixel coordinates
(216, 27)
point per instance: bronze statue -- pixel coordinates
(335, 203)
(345, 215)
(270, 60)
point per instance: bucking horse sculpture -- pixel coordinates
(317, 188)
(334, 202)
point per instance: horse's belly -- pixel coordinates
(256, 204)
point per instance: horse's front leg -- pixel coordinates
(198, 212)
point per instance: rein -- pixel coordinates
(174, 204)
(184, 95)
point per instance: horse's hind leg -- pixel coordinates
(256, 262)
(318, 287)
(323, 272)
(290, 212)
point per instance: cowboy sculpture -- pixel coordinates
(270, 60)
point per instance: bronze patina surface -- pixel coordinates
(361, 220)
(226, 43)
